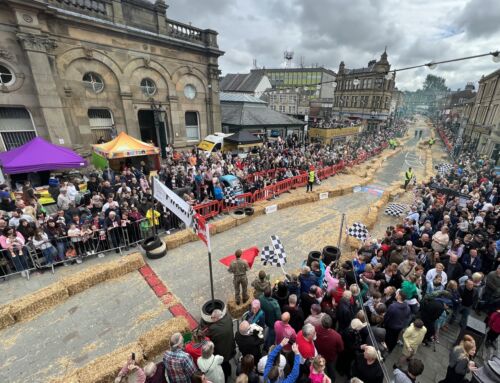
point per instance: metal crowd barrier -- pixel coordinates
(17, 262)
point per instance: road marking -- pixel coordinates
(413, 160)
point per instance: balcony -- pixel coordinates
(187, 32)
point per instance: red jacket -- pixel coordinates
(306, 348)
(329, 343)
(494, 322)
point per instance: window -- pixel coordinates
(492, 114)
(190, 92)
(93, 82)
(192, 128)
(16, 127)
(6, 76)
(282, 108)
(282, 98)
(291, 109)
(101, 124)
(148, 87)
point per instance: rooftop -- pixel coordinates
(246, 82)
(239, 97)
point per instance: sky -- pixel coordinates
(325, 32)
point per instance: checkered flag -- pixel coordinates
(359, 231)
(445, 169)
(396, 209)
(201, 229)
(274, 255)
(229, 196)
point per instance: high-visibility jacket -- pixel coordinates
(409, 175)
(431, 141)
(312, 176)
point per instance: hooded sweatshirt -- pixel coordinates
(397, 315)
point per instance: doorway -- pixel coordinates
(153, 129)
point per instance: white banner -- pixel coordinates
(271, 209)
(173, 202)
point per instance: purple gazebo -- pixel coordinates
(39, 155)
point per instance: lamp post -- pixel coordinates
(162, 138)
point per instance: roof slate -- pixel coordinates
(247, 82)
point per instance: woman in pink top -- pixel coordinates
(13, 244)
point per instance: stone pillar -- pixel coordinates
(161, 16)
(131, 120)
(36, 47)
(179, 136)
(117, 12)
(213, 103)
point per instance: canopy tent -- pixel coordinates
(125, 146)
(39, 155)
(242, 139)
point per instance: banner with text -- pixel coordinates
(173, 202)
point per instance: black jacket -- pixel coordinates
(221, 333)
(249, 344)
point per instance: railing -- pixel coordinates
(67, 250)
(184, 31)
(213, 208)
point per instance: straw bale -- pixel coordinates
(178, 239)
(353, 243)
(242, 220)
(125, 265)
(237, 311)
(6, 318)
(347, 189)
(105, 368)
(286, 203)
(41, 300)
(85, 279)
(72, 377)
(335, 192)
(371, 217)
(224, 224)
(157, 340)
(258, 210)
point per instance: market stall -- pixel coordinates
(241, 141)
(34, 161)
(125, 150)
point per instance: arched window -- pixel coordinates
(148, 87)
(16, 127)
(93, 82)
(6, 76)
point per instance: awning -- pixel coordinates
(125, 146)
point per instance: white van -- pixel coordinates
(213, 142)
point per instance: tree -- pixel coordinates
(434, 84)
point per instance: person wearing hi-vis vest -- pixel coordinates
(408, 176)
(311, 177)
(431, 142)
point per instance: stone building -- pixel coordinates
(364, 94)
(73, 71)
(482, 130)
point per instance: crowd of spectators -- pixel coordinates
(434, 269)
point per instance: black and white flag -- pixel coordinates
(445, 169)
(359, 231)
(275, 254)
(229, 196)
(396, 209)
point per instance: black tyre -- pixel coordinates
(151, 243)
(330, 254)
(313, 256)
(238, 213)
(249, 210)
(157, 253)
(209, 307)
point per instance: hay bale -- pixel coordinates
(242, 220)
(237, 311)
(125, 265)
(105, 368)
(371, 217)
(85, 279)
(258, 210)
(225, 224)
(71, 377)
(286, 203)
(335, 192)
(178, 239)
(41, 300)
(157, 340)
(353, 243)
(347, 189)
(6, 318)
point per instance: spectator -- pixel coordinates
(329, 344)
(179, 366)
(367, 367)
(220, 332)
(296, 313)
(155, 373)
(283, 330)
(395, 319)
(248, 340)
(210, 364)
(305, 341)
(272, 313)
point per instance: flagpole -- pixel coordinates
(341, 229)
(211, 275)
(153, 208)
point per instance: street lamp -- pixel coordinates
(495, 56)
(431, 65)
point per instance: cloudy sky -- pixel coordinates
(355, 31)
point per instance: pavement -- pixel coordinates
(107, 316)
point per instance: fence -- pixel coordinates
(213, 208)
(74, 249)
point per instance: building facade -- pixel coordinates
(293, 89)
(364, 94)
(482, 130)
(74, 71)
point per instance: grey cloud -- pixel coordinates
(479, 18)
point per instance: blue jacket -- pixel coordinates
(292, 377)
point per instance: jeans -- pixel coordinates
(309, 186)
(464, 312)
(19, 261)
(49, 254)
(61, 250)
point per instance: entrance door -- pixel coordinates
(153, 129)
